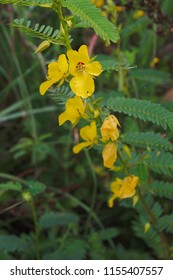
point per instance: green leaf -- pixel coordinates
(53, 219)
(161, 163)
(74, 249)
(151, 75)
(151, 237)
(11, 186)
(161, 189)
(108, 233)
(94, 18)
(61, 95)
(109, 64)
(142, 109)
(12, 243)
(36, 187)
(147, 140)
(141, 171)
(134, 26)
(46, 33)
(165, 223)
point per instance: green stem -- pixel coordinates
(12, 177)
(11, 207)
(37, 231)
(64, 24)
(162, 237)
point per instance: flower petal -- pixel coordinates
(77, 148)
(63, 65)
(129, 185)
(94, 68)
(116, 189)
(82, 85)
(83, 53)
(74, 111)
(109, 155)
(45, 86)
(89, 132)
(66, 117)
(54, 72)
(73, 57)
(111, 201)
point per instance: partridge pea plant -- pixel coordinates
(110, 123)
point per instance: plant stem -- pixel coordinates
(64, 24)
(12, 177)
(37, 231)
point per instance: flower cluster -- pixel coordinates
(78, 69)
(82, 70)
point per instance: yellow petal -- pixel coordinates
(111, 201)
(116, 185)
(74, 111)
(79, 104)
(63, 118)
(77, 148)
(53, 67)
(71, 116)
(83, 53)
(94, 68)
(109, 155)
(54, 72)
(82, 85)
(45, 86)
(116, 189)
(63, 65)
(73, 57)
(109, 128)
(129, 185)
(89, 132)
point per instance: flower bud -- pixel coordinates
(43, 46)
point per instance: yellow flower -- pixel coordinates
(123, 188)
(138, 14)
(57, 72)
(109, 130)
(83, 69)
(98, 3)
(89, 134)
(109, 155)
(75, 110)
